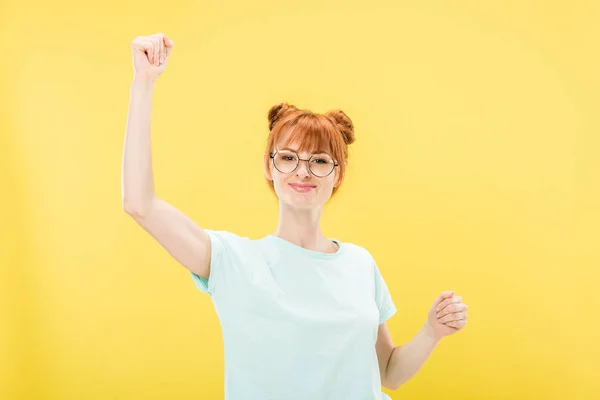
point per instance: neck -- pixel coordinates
(302, 228)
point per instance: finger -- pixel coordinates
(161, 49)
(152, 51)
(452, 317)
(156, 51)
(443, 296)
(457, 324)
(453, 299)
(451, 324)
(168, 46)
(452, 308)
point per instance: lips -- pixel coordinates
(303, 188)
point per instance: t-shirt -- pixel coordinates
(297, 324)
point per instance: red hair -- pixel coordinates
(331, 133)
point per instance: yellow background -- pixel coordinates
(475, 169)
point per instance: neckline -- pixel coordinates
(313, 253)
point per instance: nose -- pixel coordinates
(302, 170)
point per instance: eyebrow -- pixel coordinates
(296, 151)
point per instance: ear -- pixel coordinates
(267, 170)
(338, 178)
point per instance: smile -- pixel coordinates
(302, 188)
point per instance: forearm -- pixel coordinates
(408, 359)
(137, 176)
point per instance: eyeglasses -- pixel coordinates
(286, 161)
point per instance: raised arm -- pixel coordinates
(179, 235)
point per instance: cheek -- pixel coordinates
(327, 185)
(279, 182)
(278, 179)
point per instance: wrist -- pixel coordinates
(143, 81)
(429, 333)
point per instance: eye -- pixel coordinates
(321, 159)
(287, 157)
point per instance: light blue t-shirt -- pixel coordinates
(297, 324)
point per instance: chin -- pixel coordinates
(306, 201)
(302, 202)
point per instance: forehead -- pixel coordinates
(303, 142)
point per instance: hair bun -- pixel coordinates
(278, 111)
(344, 123)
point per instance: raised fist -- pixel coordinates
(150, 55)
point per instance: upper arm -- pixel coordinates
(179, 235)
(384, 347)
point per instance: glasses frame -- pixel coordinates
(298, 159)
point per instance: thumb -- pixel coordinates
(142, 46)
(444, 295)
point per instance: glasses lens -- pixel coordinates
(285, 161)
(321, 164)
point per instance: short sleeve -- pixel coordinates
(222, 248)
(383, 299)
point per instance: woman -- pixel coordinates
(302, 316)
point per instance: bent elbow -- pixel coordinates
(136, 209)
(392, 385)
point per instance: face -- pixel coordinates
(301, 188)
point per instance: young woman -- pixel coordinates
(303, 316)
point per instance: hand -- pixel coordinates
(150, 55)
(447, 315)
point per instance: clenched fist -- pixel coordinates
(447, 315)
(150, 55)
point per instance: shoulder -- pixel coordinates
(231, 242)
(358, 251)
(228, 237)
